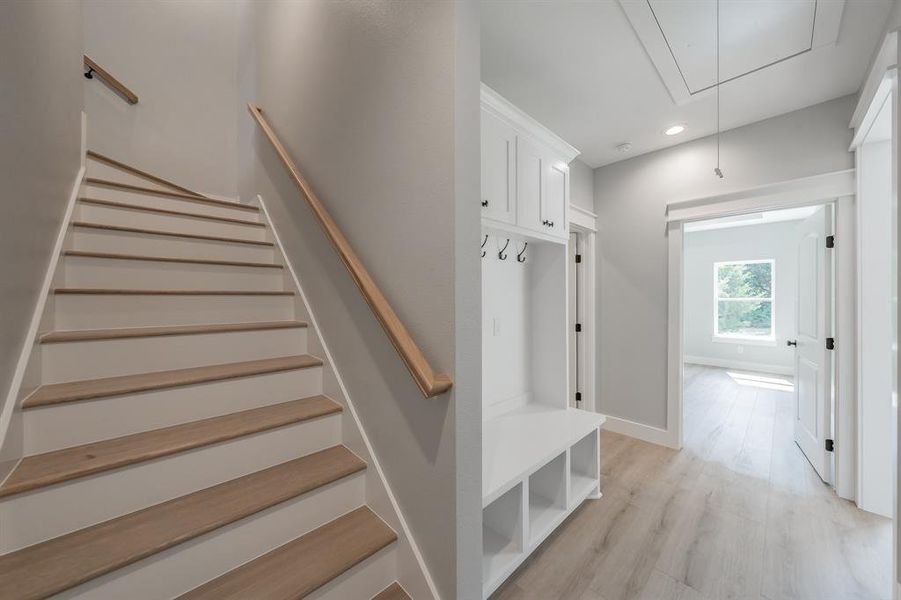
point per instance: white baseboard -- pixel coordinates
(646, 433)
(739, 364)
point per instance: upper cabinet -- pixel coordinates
(525, 172)
(498, 169)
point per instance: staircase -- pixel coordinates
(180, 444)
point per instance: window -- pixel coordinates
(743, 300)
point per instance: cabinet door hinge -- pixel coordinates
(830, 241)
(830, 446)
(830, 343)
(578, 327)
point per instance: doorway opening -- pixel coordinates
(759, 388)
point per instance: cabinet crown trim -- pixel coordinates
(508, 111)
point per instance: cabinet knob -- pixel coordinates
(545, 222)
(484, 203)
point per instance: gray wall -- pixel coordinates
(364, 96)
(40, 147)
(581, 185)
(631, 198)
(181, 59)
(772, 241)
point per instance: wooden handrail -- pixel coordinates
(114, 83)
(430, 383)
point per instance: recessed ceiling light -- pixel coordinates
(675, 130)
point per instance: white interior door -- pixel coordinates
(813, 390)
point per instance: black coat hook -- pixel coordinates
(483, 245)
(519, 255)
(500, 253)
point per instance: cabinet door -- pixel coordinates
(530, 188)
(555, 200)
(498, 168)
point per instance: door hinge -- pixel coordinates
(830, 343)
(578, 258)
(578, 327)
(830, 446)
(578, 396)
(830, 241)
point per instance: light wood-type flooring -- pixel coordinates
(737, 513)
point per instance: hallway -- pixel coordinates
(738, 513)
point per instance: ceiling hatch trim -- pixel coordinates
(685, 29)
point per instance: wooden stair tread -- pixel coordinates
(392, 592)
(85, 335)
(93, 154)
(56, 565)
(178, 195)
(139, 292)
(166, 211)
(191, 236)
(305, 564)
(56, 393)
(49, 468)
(170, 259)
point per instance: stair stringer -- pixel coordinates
(27, 376)
(412, 571)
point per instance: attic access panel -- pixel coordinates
(680, 37)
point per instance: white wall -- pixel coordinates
(181, 59)
(876, 360)
(40, 156)
(631, 198)
(377, 103)
(775, 241)
(581, 185)
(506, 326)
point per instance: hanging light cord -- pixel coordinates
(717, 171)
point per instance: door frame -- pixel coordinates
(838, 188)
(585, 223)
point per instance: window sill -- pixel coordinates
(744, 341)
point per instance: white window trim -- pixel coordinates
(769, 340)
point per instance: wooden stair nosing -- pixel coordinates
(393, 592)
(64, 562)
(171, 259)
(139, 292)
(136, 189)
(192, 236)
(57, 393)
(58, 466)
(166, 211)
(89, 335)
(305, 564)
(138, 172)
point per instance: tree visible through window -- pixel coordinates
(743, 303)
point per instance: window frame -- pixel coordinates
(769, 340)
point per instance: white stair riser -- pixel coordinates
(100, 311)
(92, 272)
(33, 517)
(212, 209)
(123, 242)
(72, 361)
(182, 568)
(98, 170)
(127, 217)
(73, 423)
(364, 580)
